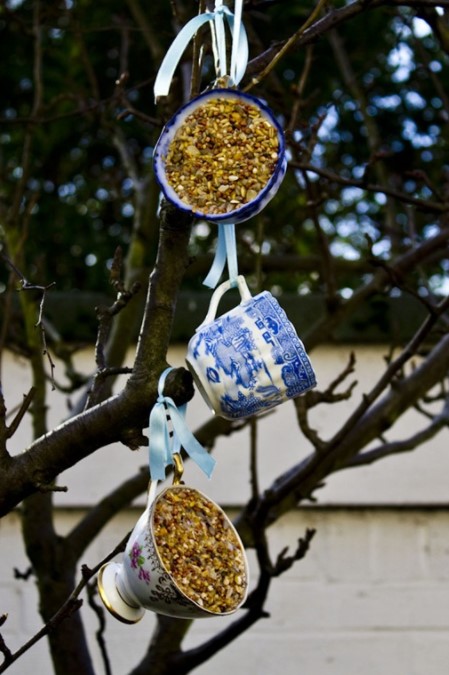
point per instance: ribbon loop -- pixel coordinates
(226, 252)
(175, 51)
(163, 444)
(239, 52)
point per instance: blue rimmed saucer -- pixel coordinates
(237, 210)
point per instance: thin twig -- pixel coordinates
(287, 46)
(100, 632)
(197, 56)
(284, 562)
(27, 286)
(299, 90)
(427, 206)
(71, 605)
(302, 417)
(24, 406)
(7, 655)
(396, 447)
(388, 375)
(4, 454)
(105, 317)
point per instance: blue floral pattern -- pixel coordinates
(247, 373)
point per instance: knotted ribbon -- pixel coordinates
(239, 52)
(226, 251)
(162, 445)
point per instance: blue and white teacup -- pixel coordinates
(249, 359)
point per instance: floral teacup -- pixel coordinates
(178, 586)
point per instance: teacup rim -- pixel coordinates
(172, 579)
(245, 211)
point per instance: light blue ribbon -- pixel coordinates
(239, 53)
(162, 446)
(226, 251)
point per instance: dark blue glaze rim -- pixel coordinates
(247, 210)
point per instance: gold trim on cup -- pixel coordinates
(107, 604)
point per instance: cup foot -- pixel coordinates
(111, 598)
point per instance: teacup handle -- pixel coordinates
(218, 294)
(177, 478)
(152, 489)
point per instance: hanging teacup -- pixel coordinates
(249, 359)
(221, 157)
(184, 559)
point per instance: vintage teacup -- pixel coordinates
(143, 580)
(249, 359)
(221, 157)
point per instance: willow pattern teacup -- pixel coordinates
(251, 358)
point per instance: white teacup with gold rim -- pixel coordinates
(184, 559)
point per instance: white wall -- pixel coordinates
(372, 595)
(412, 478)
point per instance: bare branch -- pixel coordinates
(27, 286)
(284, 562)
(387, 449)
(4, 454)
(71, 605)
(299, 90)
(124, 152)
(91, 589)
(313, 398)
(186, 661)
(302, 410)
(197, 56)
(105, 317)
(27, 400)
(402, 265)
(424, 205)
(393, 368)
(7, 654)
(331, 19)
(363, 426)
(287, 46)
(149, 34)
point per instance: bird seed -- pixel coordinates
(199, 550)
(222, 156)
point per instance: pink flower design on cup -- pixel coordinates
(138, 561)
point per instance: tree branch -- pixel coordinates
(186, 661)
(424, 205)
(400, 267)
(386, 449)
(299, 482)
(103, 424)
(71, 605)
(287, 46)
(333, 18)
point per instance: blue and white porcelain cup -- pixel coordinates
(249, 359)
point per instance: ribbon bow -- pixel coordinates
(239, 52)
(163, 446)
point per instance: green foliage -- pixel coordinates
(382, 124)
